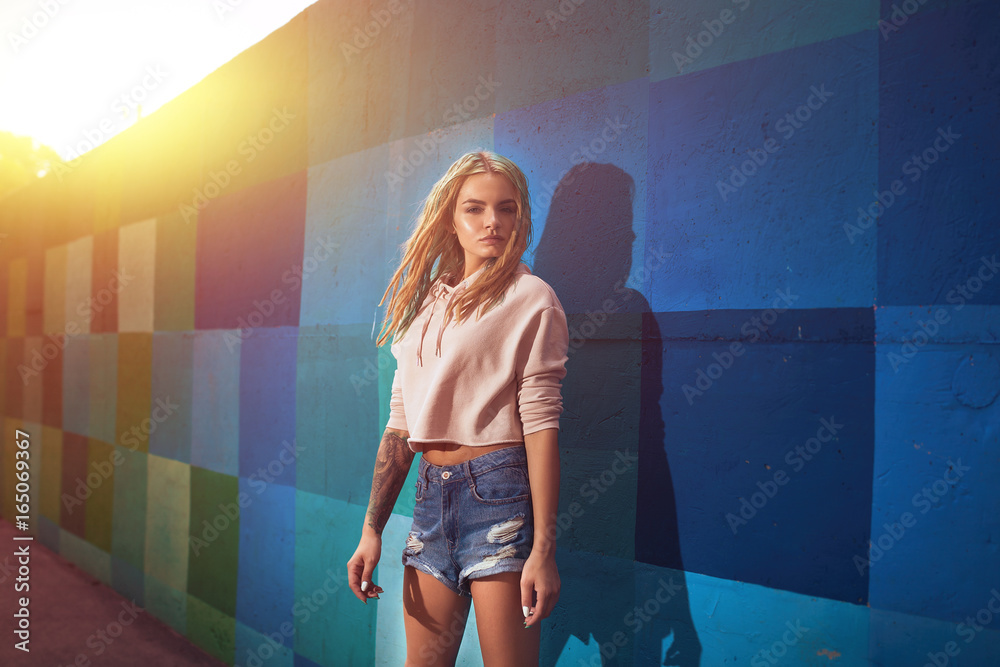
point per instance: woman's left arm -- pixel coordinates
(540, 577)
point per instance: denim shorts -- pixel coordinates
(472, 519)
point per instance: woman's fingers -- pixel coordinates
(367, 586)
(546, 603)
(355, 567)
(528, 599)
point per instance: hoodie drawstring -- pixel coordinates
(436, 293)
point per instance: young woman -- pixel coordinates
(480, 346)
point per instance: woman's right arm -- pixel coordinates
(392, 465)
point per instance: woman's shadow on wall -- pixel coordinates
(613, 590)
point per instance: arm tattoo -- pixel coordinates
(392, 463)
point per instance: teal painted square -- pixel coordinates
(253, 648)
(688, 37)
(338, 423)
(215, 405)
(390, 634)
(166, 603)
(735, 618)
(128, 536)
(903, 639)
(128, 580)
(597, 593)
(332, 627)
(86, 556)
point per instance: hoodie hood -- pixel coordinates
(444, 292)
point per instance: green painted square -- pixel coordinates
(214, 538)
(128, 540)
(211, 630)
(331, 626)
(51, 473)
(166, 603)
(168, 508)
(103, 386)
(135, 382)
(101, 482)
(173, 301)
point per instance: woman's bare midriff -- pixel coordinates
(450, 453)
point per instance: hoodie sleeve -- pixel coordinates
(541, 368)
(397, 416)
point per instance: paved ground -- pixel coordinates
(69, 607)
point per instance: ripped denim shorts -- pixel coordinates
(472, 519)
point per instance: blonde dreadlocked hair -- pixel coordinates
(431, 242)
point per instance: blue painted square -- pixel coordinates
(938, 142)
(936, 443)
(557, 49)
(267, 403)
(688, 37)
(215, 424)
(265, 593)
(800, 125)
(767, 456)
(48, 532)
(585, 159)
(415, 164)
(170, 409)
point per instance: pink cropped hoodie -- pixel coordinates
(482, 382)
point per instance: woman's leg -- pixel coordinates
(500, 621)
(434, 618)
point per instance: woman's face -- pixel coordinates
(485, 217)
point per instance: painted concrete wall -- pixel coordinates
(780, 435)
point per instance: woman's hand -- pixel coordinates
(362, 565)
(539, 586)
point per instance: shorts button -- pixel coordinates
(445, 475)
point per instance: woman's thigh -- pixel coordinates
(500, 622)
(434, 618)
